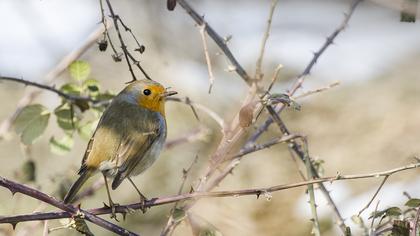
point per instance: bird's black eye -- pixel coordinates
(147, 92)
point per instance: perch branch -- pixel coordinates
(68, 211)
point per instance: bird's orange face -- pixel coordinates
(150, 95)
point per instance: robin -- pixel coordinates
(128, 139)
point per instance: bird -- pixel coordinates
(128, 138)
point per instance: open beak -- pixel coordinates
(169, 93)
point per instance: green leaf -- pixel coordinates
(92, 86)
(414, 202)
(65, 118)
(71, 88)
(31, 122)
(86, 130)
(393, 211)
(79, 70)
(27, 171)
(61, 146)
(178, 215)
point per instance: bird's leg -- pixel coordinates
(143, 199)
(111, 203)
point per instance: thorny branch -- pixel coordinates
(68, 209)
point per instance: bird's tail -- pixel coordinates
(84, 173)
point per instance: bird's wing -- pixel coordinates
(132, 150)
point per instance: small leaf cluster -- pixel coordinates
(71, 115)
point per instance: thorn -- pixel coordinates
(13, 192)
(258, 194)
(14, 225)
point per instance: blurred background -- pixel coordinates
(369, 123)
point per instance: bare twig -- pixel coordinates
(182, 197)
(374, 195)
(217, 39)
(311, 192)
(416, 222)
(66, 96)
(200, 133)
(258, 70)
(206, 54)
(373, 218)
(170, 226)
(201, 107)
(318, 90)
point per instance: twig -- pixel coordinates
(258, 70)
(170, 226)
(318, 90)
(201, 133)
(206, 54)
(128, 56)
(373, 218)
(217, 39)
(201, 107)
(69, 209)
(311, 192)
(66, 96)
(187, 196)
(416, 222)
(374, 195)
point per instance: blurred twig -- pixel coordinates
(258, 70)
(206, 54)
(318, 90)
(217, 39)
(66, 96)
(170, 225)
(374, 195)
(68, 209)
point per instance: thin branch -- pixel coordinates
(201, 133)
(186, 196)
(311, 192)
(416, 222)
(217, 39)
(374, 195)
(206, 54)
(201, 107)
(318, 90)
(66, 96)
(69, 209)
(171, 224)
(258, 70)
(128, 56)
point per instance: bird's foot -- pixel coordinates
(113, 206)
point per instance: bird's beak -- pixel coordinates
(169, 93)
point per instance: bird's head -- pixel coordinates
(147, 94)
